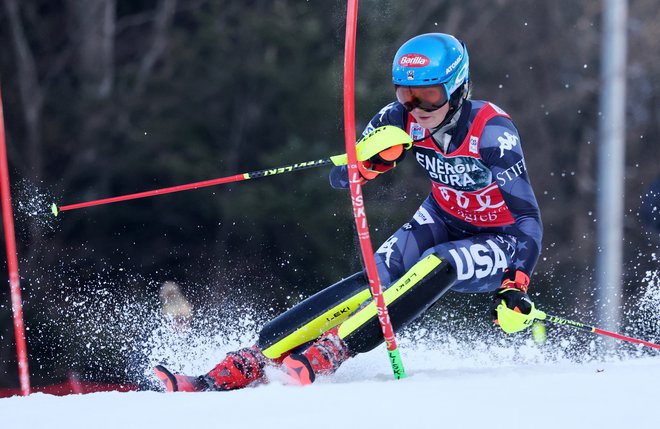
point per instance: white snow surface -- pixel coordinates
(439, 392)
(460, 375)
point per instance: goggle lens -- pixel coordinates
(427, 98)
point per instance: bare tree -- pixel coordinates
(31, 91)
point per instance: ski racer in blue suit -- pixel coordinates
(479, 230)
(481, 196)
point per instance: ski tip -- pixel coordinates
(299, 370)
(168, 379)
(54, 209)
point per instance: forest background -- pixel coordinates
(109, 97)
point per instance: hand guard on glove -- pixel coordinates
(512, 309)
(383, 161)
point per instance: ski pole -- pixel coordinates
(561, 321)
(55, 209)
(378, 140)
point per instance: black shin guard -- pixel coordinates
(406, 299)
(310, 318)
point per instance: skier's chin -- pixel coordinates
(429, 120)
(428, 123)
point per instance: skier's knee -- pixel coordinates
(407, 299)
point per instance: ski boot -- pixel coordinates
(323, 357)
(239, 369)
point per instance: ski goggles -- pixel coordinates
(428, 98)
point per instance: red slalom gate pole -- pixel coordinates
(12, 262)
(356, 192)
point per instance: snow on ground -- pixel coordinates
(438, 392)
(460, 375)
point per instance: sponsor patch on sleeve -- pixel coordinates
(423, 217)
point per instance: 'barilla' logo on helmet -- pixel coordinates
(414, 60)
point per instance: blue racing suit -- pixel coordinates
(481, 216)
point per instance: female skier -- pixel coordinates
(479, 230)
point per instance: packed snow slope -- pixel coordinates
(462, 373)
(439, 392)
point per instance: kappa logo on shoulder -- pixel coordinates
(507, 142)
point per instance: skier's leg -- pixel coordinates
(406, 299)
(474, 264)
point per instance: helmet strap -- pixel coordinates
(435, 130)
